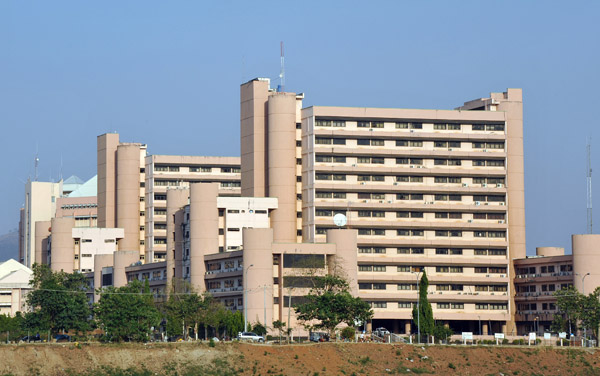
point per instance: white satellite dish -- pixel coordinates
(340, 220)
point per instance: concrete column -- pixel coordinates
(100, 261)
(176, 199)
(484, 329)
(258, 267)
(253, 123)
(121, 260)
(504, 330)
(346, 255)
(586, 258)
(281, 162)
(128, 195)
(62, 254)
(42, 231)
(179, 247)
(407, 327)
(204, 229)
(106, 165)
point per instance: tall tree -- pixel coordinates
(127, 313)
(57, 301)
(589, 311)
(422, 313)
(182, 311)
(330, 303)
(568, 301)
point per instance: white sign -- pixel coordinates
(547, 336)
(532, 336)
(499, 335)
(467, 336)
(562, 335)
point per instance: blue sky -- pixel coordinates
(168, 73)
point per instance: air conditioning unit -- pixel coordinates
(395, 183)
(492, 294)
(485, 150)
(381, 201)
(411, 166)
(460, 293)
(470, 220)
(353, 164)
(502, 275)
(371, 129)
(390, 201)
(487, 275)
(412, 131)
(499, 185)
(486, 203)
(362, 183)
(483, 184)
(477, 203)
(420, 166)
(502, 221)
(465, 185)
(502, 203)
(365, 200)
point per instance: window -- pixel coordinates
(404, 305)
(303, 261)
(442, 287)
(362, 124)
(401, 125)
(406, 286)
(440, 162)
(379, 304)
(498, 306)
(480, 252)
(323, 123)
(363, 142)
(480, 269)
(416, 125)
(441, 215)
(323, 141)
(417, 251)
(478, 127)
(443, 305)
(377, 143)
(454, 162)
(323, 158)
(365, 286)
(481, 306)
(454, 127)
(339, 123)
(339, 141)
(365, 268)
(402, 250)
(458, 306)
(439, 127)
(403, 232)
(494, 127)
(403, 269)
(495, 162)
(494, 145)
(416, 179)
(416, 214)
(440, 144)
(401, 160)
(416, 144)
(401, 143)
(502, 252)
(417, 232)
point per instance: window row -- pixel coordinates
(478, 306)
(409, 125)
(438, 251)
(438, 269)
(163, 168)
(407, 143)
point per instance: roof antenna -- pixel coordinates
(281, 86)
(36, 162)
(589, 186)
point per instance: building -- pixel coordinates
(551, 269)
(81, 204)
(434, 190)
(165, 172)
(40, 205)
(14, 285)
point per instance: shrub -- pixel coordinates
(211, 343)
(505, 341)
(452, 366)
(348, 333)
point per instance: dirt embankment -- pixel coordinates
(310, 359)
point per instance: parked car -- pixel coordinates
(319, 337)
(381, 332)
(249, 336)
(35, 338)
(62, 338)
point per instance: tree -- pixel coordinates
(568, 301)
(127, 313)
(441, 331)
(233, 322)
(57, 301)
(330, 303)
(182, 311)
(589, 311)
(279, 325)
(259, 329)
(422, 313)
(212, 314)
(11, 327)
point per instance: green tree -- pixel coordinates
(233, 322)
(57, 301)
(259, 329)
(181, 311)
(212, 314)
(568, 302)
(330, 303)
(422, 313)
(127, 313)
(589, 311)
(11, 327)
(441, 331)
(279, 325)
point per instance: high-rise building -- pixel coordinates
(439, 191)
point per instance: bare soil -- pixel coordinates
(310, 359)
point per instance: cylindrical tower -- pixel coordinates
(176, 199)
(549, 251)
(61, 251)
(42, 231)
(123, 259)
(100, 261)
(258, 274)
(281, 162)
(345, 260)
(586, 258)
(128, 195)
(204, 229)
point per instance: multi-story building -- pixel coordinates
(551, 269)
(14, 286)
(165, 172)
(434, 190)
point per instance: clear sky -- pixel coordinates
(168, 73)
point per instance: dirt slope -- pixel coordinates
(310, 359)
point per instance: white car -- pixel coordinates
(249, 336)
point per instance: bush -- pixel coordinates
(505, 341)
(211, 343)
(348, 333)
(452, 366)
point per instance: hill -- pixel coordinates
(309, 359)
(9, 246)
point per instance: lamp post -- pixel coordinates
(583, 292)
(417, 274)
(245, 275)
(479, 324)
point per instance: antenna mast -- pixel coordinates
(36, 161)
(282, 72)
(589, 186)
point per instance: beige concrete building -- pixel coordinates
(551, 269)
(121, 190)
(434, 190)
(165, 172)
(14, 285)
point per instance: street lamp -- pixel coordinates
(245, 276)
(583, 292)
(479, 324)
(417, 274)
